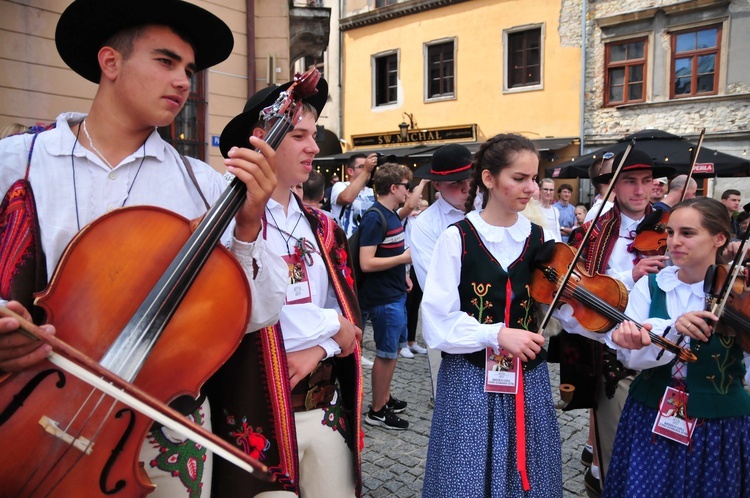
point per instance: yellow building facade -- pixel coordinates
(490, 92)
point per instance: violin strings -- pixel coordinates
(609, 311)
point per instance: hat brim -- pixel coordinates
(86, 25)
(427, 173)
(237, 132)
(656, 171)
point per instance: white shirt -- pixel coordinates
(595, 207)
(348, 216)
(551, 223)
(424, 234)
(162, 181)
(310, 324)
(444, 325)
(680, 298)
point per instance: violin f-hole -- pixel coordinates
(116, 454)
(25, 392)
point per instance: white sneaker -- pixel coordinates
(366, 362)
(406, 353)
(417, 349)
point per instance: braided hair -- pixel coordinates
(494, 155)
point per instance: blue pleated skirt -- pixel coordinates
(716, 464)
(472, 449)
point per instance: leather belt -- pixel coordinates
(316, 390)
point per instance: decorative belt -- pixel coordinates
(316, 390)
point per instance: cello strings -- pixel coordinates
(53, 465)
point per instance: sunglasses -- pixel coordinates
(405, 184)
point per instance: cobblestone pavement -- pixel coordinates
(393, 461)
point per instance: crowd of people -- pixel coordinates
(290, 396)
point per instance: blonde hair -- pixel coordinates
(12, 129)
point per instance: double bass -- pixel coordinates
(144, 300)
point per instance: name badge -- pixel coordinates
(298, 291)
(672, 421)
(501, 372)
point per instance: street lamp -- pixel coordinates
(404, 128)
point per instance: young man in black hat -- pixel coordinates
(308, 362)
(450, 172)
(142, 53)
(610, 250)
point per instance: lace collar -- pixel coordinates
(519, 231)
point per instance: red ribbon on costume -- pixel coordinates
(520, 411)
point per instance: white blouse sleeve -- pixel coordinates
(639, 305)
(444, 325)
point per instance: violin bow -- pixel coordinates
(720, 300)
(694, 159)
(91, 372)
(584, 241)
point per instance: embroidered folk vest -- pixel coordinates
(483, 284)
(714, 382)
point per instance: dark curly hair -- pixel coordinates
(495, 155)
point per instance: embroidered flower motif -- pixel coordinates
(252, 441)
(480, 290)
(480, 304)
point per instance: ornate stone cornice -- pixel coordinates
(394, 11)
(679, 7)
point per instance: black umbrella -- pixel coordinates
(665, 149)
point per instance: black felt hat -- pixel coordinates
(636, 161)
(237, 132)
(86, 25)
(450, 163)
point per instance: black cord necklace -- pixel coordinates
(73, 168)
(302, 247)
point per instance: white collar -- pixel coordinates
(446, 208)
(61, 143)
(668, 281)
(519, 231)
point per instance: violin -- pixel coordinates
(651, 235)
(598, 301)
(153, 304)
(734, 315)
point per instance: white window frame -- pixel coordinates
(542, 37)
(374, 80)
(425, 58)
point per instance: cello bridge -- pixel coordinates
(80, 443)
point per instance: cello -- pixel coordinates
(155, 312)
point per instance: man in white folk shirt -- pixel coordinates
(450, 172)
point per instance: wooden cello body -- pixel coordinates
(101, 281)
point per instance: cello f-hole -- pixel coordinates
(119, 485)
(25, 392)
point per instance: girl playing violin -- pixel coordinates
(684, 431)
(485, 440)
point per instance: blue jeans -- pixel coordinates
(388, 326)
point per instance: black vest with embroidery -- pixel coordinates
(714, 382)
(482, 288)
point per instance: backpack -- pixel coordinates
(359, 275)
